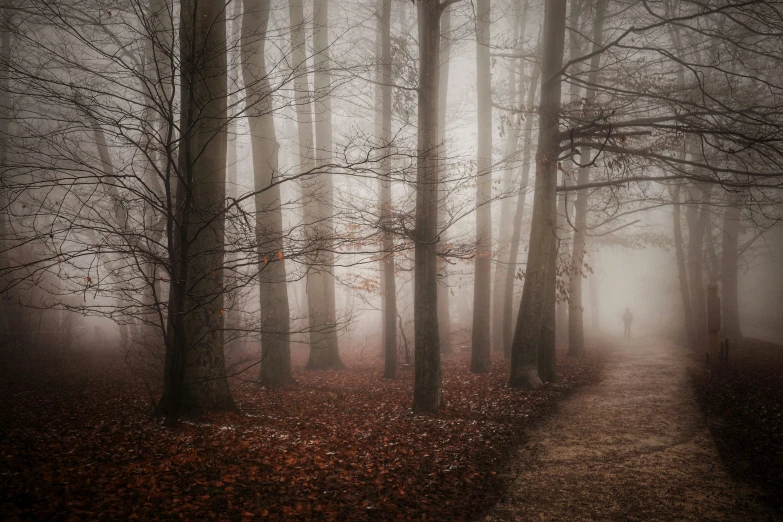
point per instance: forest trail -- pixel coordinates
(633, 447)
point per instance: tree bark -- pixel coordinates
(515, 96)
(576, 333)
(444, 318)
(320, 354)
(195, 375)
(427, 382)
(513, 254)
(387, 267)
(537, 305)
(729, 271)
(697, 225)
(273, 293)
(682, 272)
(480, 360)
(323, 157)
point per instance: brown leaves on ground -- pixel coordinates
(743, 401)
(78, 443)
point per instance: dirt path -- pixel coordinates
(633, 447)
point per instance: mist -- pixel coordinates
(391, 259)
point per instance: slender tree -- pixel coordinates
(536, 311)
(427, 383)
(482, 282)
(513, 254)
(323, 157)
(729, 269)
(387, 266)
(444, 318)
(516, 99)
(576, 335)
(322, 354)
(273, 294)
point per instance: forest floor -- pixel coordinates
(743, 403)
(77, 442)
(635, 446)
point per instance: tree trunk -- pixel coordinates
(576, 333)
(427, 385)
(729, 272)
(320, 353)
(482, 282)
(444, 318)
(537, 305)
(195, 375)
(323, 157)
(697, 225)
(273, 292)
(512, 147)
(387, 274)
(511, 267)
(682, 273)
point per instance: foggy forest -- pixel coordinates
(391, 260)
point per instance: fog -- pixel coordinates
(412, 202)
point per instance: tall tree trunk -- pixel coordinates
(444, 318)
(482, 282)
(320, 354)
(195, 374)
(387, 269)
(323, 157)
(233, 306)
(729, 272)
(537, 302)
(273, 292)
(576, 333)
(679, 250)
(515, 96)
(427, 385)
(697, 226)
(511, 267)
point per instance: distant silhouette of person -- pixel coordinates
(627, 320)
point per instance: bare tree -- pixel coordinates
(274, 310)
(482, 283)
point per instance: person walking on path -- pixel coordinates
(627, 320)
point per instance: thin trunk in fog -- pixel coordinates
(323, 156)
(234, 60)
(537, 304)
(389, 282)
(157, 133)
(679, 250)
(729, 270)
(444, 318)
(513, 254)
(195, 375)
(273, 292)
(576, 333)
(697, 225)
(565, 201)
(515, 96)
(482, 282)
(427, 385)
(321, 356)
